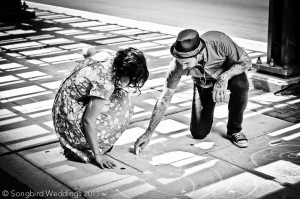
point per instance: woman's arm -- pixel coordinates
(94, 108)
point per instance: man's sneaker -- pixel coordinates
(238, 139)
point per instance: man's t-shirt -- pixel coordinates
(222, 53)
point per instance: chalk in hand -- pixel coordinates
(138, 150)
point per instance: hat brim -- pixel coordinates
(172, 51)
(201, 47)
(188, 55)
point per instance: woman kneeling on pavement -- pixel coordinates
(92, 107)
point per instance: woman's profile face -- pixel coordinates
(124, 81)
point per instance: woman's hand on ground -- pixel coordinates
(104, 162)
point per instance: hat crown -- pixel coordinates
(187, 41)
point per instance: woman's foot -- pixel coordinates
(70, 155)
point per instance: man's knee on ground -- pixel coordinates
(197, 134)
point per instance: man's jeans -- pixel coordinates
(203, 107)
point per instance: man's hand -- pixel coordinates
(219, 90)
(103, 162)
(142, 141)
(220, 86)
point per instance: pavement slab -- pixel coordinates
(274, 155)
(28, 125)
(16, 138)
(4, 150)
(42, 184)
(172, 137)
(195, 176)
(145, 102)
(254, 123)
(78, 176)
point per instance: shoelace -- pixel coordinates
(239, 136)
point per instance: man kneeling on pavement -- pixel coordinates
(215, 63)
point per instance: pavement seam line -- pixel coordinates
(26, 148)
(257, 173)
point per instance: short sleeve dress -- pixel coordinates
(92, 77)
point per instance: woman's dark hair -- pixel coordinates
(130, 62)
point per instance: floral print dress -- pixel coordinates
(90, 78)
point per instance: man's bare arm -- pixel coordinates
(160, 108)
(157, 115)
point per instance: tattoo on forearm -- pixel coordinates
(221, 81)
(236, 69)
(159, 111)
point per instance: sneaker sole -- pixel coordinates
(240, 145)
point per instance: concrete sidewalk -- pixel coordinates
(37, 54)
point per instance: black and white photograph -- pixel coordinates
(150, 99)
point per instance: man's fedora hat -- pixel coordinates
(188, 44)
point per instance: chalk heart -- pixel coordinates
(204, 145)
(170, 157)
